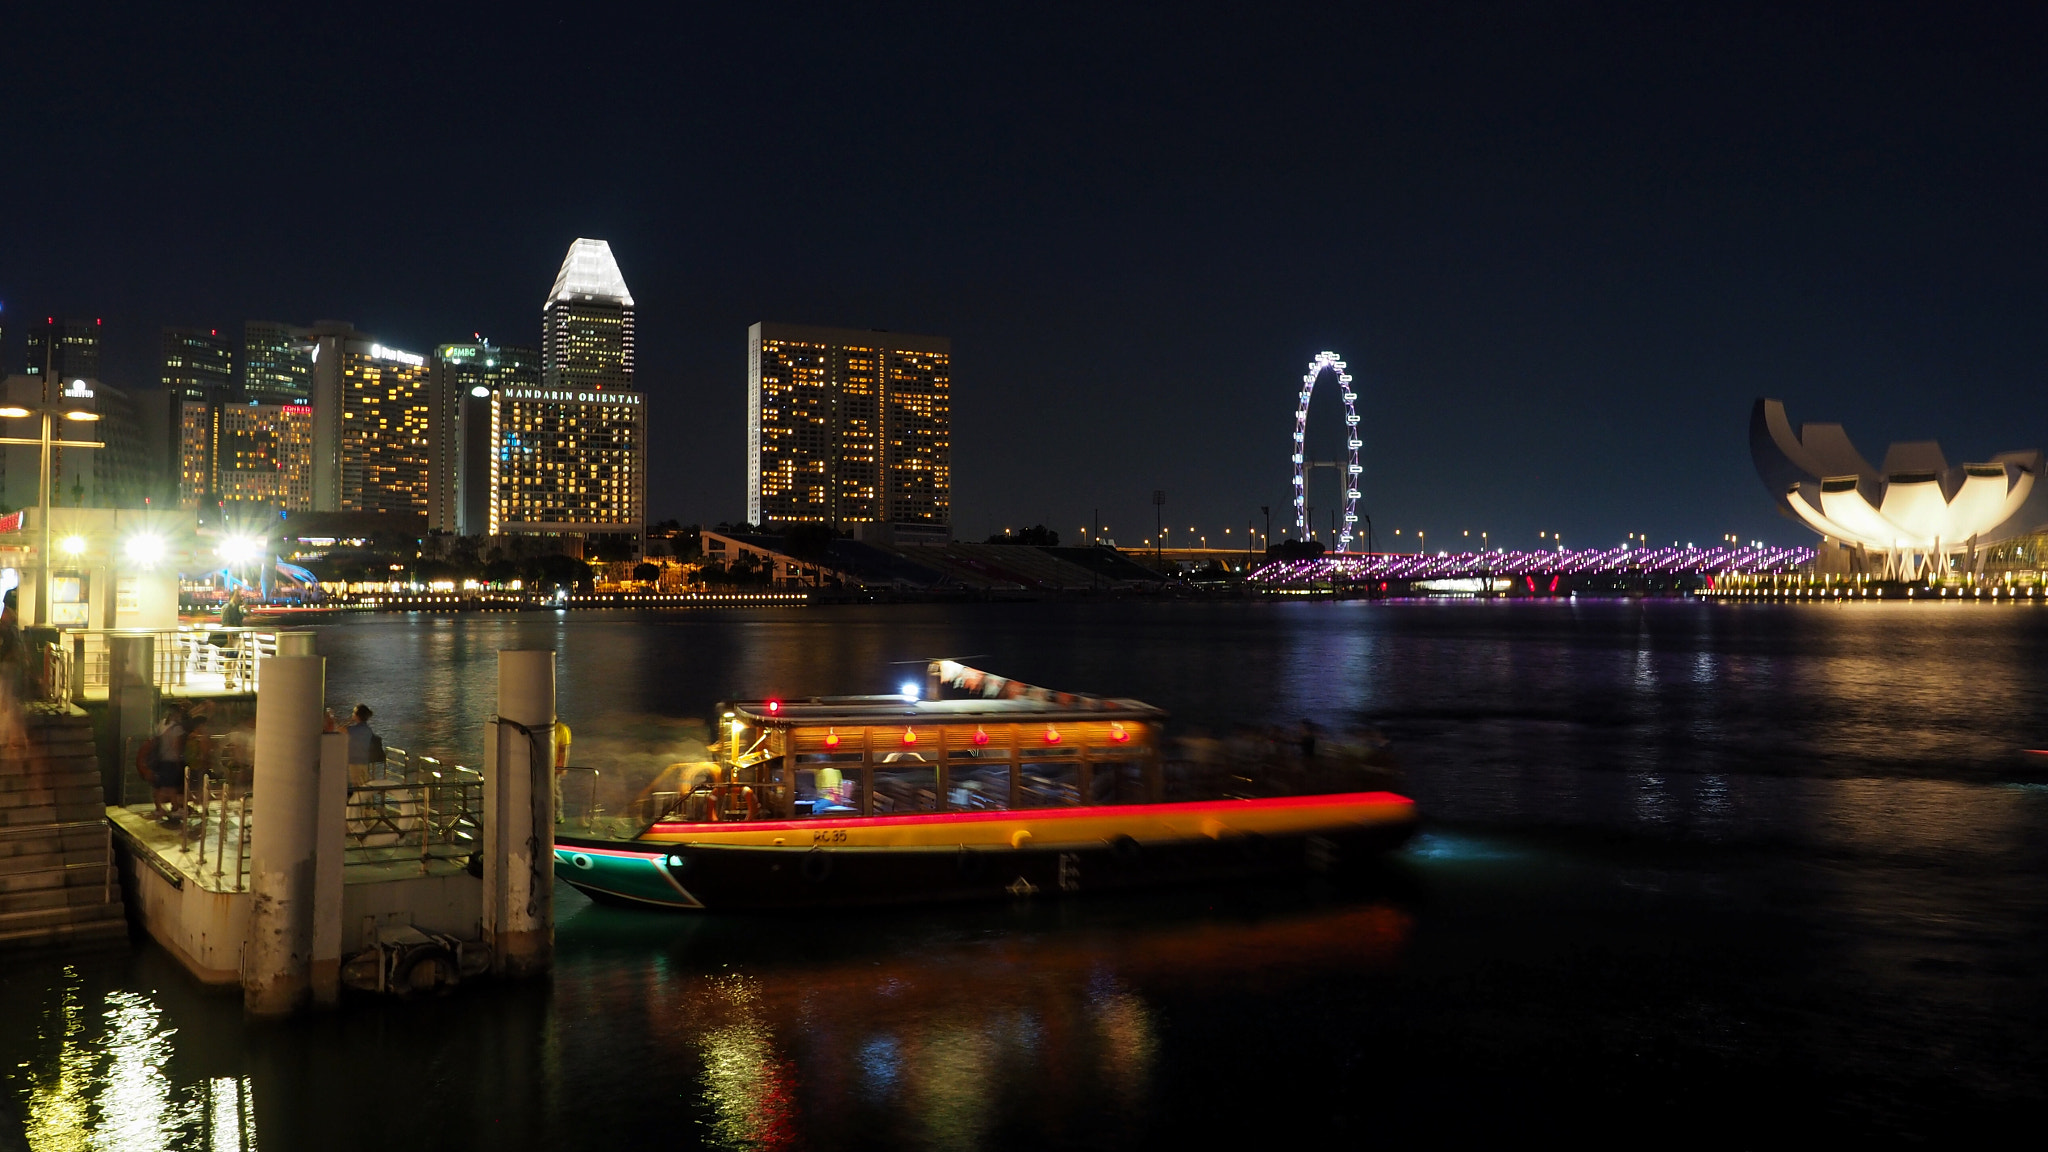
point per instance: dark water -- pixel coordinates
(1695, 874)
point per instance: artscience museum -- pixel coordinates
(1918, 517)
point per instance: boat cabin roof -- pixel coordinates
(853, 710)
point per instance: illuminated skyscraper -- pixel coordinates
(264, 455)
(371, 425)
(587, 322)
(849, 427)
(568, 462)
(197, 370)
(465, 378)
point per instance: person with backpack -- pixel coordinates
(365, 748)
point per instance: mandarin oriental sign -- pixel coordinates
(572, 396)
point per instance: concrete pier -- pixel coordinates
(519, 830)
(277, 966)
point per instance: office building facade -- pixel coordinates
(372, 425)
(114, 475)
(277, 363)
(587, 323)
(465, 378)
(196, 367)
(197, 364)
(263, 456)
(64, 349)
(850, 428)
(567, 462)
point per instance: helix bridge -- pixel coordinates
(1551, 562)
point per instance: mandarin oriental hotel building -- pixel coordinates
(567, 461)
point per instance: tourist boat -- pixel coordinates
(972, 787)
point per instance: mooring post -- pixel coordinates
(330, 846)
(277, 956)
(519, 816)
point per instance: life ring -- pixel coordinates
(817, 866)
(720, 793)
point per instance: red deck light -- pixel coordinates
(832, 738)
(774, 706)
(1117, 734)
(1052, 734)
(980, 737)
(909, 737)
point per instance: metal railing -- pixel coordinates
(416, 809)
(182, 659)
(215, 829)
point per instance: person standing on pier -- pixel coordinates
(365, 747)
(561, 763)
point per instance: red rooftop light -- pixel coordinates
(774, 706)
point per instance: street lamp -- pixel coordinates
(48, 440)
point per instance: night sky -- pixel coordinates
(1562, 247)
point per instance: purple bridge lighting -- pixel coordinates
(1547, 562)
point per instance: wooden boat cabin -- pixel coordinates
(968, 741)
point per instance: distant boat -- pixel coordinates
(992, 789)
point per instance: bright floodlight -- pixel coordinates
(240, 549)
(74, 545)
(81, 414)
(12, 412)
(144, 549)
(909, 690)
(480, 392)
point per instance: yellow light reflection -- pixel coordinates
(114, 1093)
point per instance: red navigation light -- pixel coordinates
(980, 737)
(1118, 735)
(832, 738)
(909, 737)
(774, 706)
(1052, 734)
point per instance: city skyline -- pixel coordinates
(1566, 288)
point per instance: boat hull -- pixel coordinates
(1059, 854)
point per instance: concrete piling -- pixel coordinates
(519, 825)
(277, 955)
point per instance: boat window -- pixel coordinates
(1118, 782)
(829, 791)
(829, 758)
(1049, 784)
(906, 786)
(973, 787)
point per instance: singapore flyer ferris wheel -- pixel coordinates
(1302, 465)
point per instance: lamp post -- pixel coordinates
(47, 580)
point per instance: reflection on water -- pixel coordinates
(109, 1088)
(1742, 857)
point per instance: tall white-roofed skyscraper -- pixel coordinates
(587, 333)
